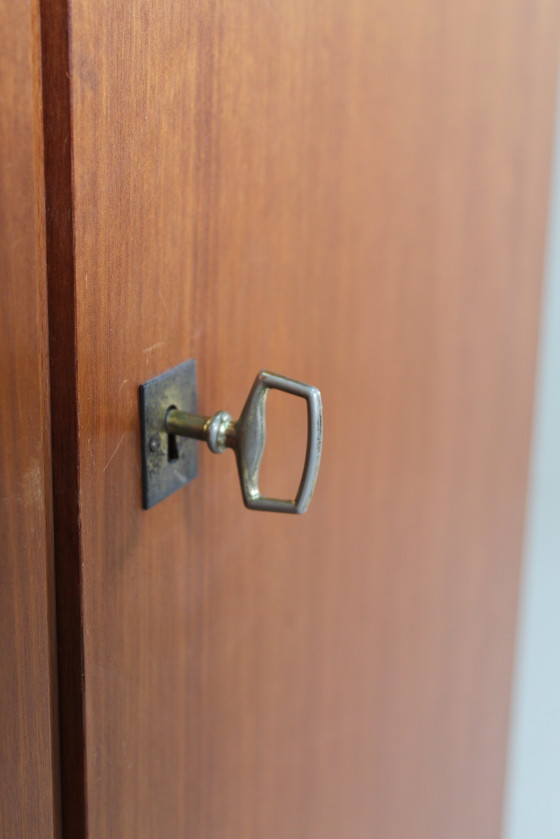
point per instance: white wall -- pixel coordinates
(532, 806)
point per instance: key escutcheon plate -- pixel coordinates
(160, 475)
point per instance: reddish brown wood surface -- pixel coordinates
(28, 736)
(353, 194)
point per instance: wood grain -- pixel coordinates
(353, 194)
(28, 728)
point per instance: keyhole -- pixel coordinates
(172, 447)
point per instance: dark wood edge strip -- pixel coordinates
(46, 428)
(57, 115)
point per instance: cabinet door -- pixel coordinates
(353, 194)
(28, 729)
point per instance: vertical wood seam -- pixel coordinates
(61, 292)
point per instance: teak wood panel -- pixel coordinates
(353, 194)
(28, 735)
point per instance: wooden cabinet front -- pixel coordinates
(353, 194)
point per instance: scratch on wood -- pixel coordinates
(154, 346)
(117, 447)
(124, 381)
